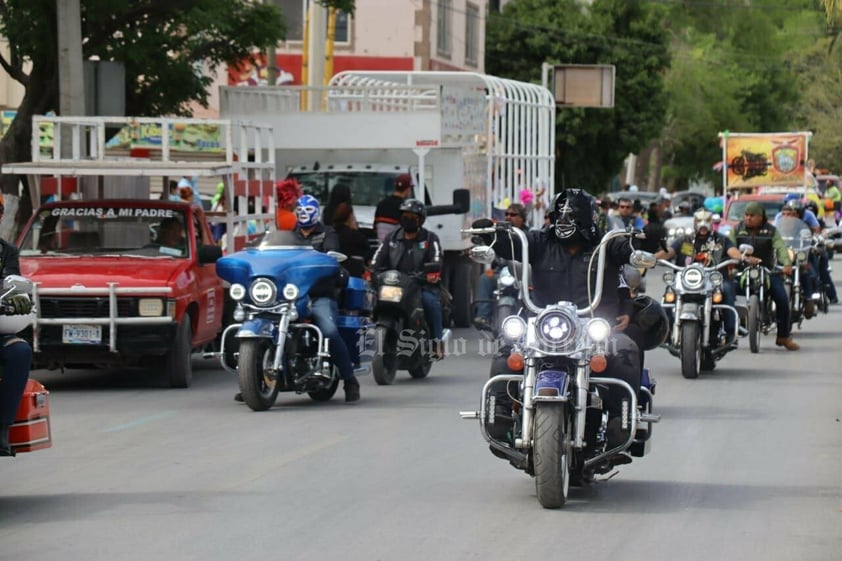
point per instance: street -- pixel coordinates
(745, 464)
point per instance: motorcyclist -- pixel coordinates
(412, 249)
(15, 353)
(768, 245)
(516, 214)
(323, 306)
(809, 277)
(708, 248)
(823, 265)
(559, 256)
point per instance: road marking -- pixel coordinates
(140, 421)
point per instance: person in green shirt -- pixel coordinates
(769, 250)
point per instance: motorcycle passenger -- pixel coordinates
(823, 267)
(516, 214)
(410, 248)
(559, 256)
(323, 305)
(708, 248)
(768, 245)
(15, 353)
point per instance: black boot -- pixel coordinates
(352, 390)
(5, 447)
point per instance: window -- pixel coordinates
(471, 35)
(293, 12)
(443, 27)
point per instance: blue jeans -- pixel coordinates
(431, 301)
(485, 291)
(824, 275)
(17, 360)
(324, 311)
(729, 297)
(777, 291)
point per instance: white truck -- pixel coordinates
(449, 130)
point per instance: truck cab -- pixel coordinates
(120, 278)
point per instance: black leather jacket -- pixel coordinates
(559, 274)
(407, 256)
(324, 239)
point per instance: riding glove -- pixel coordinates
(20, 304)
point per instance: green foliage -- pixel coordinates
(592, 143)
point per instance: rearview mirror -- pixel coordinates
(340, 257)
(17, 283)
(644, 259)
(746, 249)
(483, 254)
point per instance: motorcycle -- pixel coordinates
(31, 429)
(799, 240)
(400, 328)
(758, 313)
(695, 294)
(504, 301)
(547, 416)
(274, 347)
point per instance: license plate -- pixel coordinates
(82, 334)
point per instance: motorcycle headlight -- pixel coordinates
(669, 277)
(513, 328)
(801, 256)
(716, 278)
(556, 327)
(671, 232)
(692, 278)
(753, 273)
(598, 330)
(237, 292)
(290, 291)
(390, 293)
(506, 278)
(263, 292)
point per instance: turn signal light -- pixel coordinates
(717, 297)
(669, 297)
(599, 363)
(515, 362)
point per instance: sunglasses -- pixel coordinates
(512, 214)
(625, 206)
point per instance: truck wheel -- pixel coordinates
(179, 362)
(461, 285)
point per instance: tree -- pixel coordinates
(161, 42)
(591, 143)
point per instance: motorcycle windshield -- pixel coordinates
(280, 256)
(795, 232)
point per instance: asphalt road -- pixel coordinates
(744, 465)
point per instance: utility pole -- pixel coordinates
(317, 32)
(271, 72)
(71, 82)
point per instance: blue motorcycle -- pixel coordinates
(274, 347)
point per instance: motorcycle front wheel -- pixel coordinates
(754, 323)
(384, 365)
(691, 349)
(551, 454)
(258, 386)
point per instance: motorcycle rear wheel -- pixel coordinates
(691, 350)
(384, 364)
(551, 454)
(258, 386)
(754, 323)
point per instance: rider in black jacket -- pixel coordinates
(412, 249)
(559, 256)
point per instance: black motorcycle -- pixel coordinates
(401, 333)
(547, 416)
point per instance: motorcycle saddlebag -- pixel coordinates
(31, 429)
(357, 296)
(355, 332)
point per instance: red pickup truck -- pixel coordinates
(122, 283)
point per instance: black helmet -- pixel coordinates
(652, 318)
(572, 211)
(812, 206)
(415, 207)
